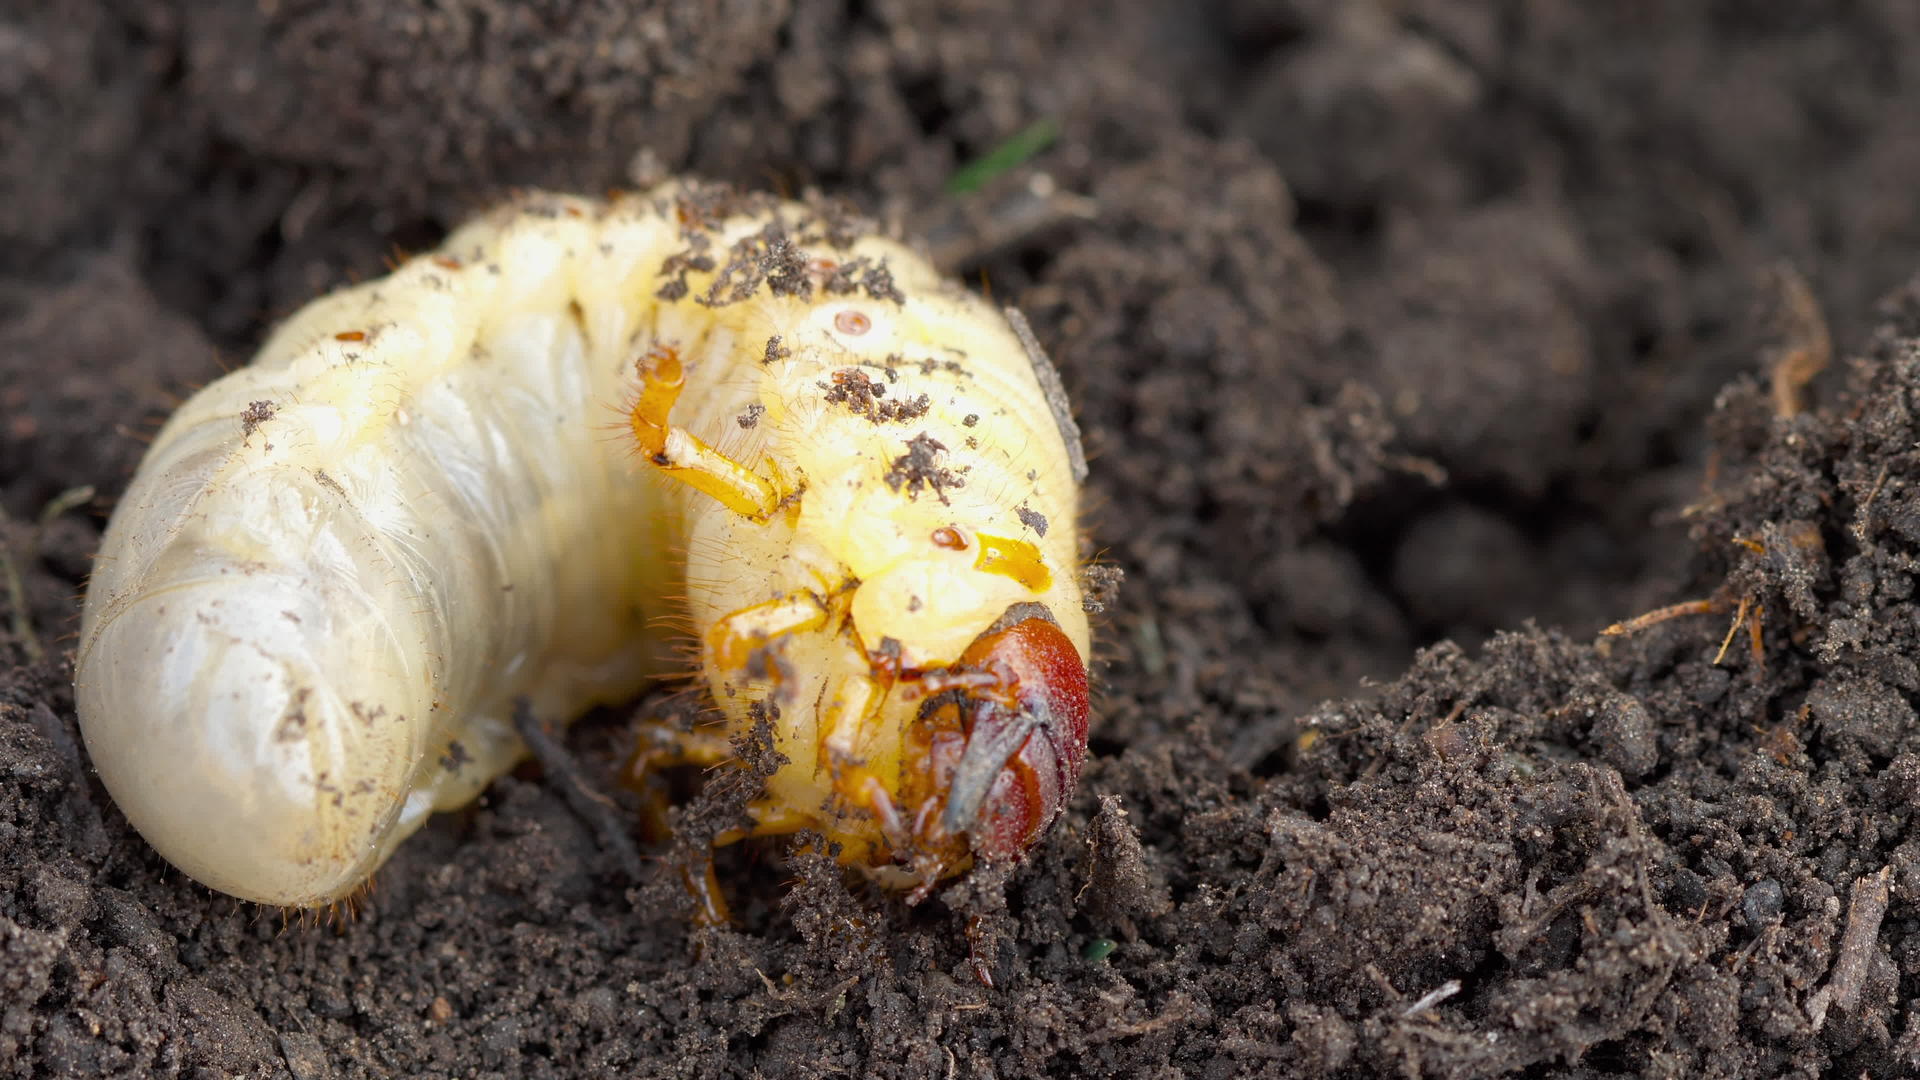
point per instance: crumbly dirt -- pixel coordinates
(1414, 342)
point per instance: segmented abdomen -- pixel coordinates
(337, 566)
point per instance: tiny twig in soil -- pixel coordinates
(1748, 612)
(1808, 347)
(594, 808)
(71, 499)
(1864, 914)
(1660, 615)
(1433, 997)
(1860, 518)
(1739, 616)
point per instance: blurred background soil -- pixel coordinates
(1415, 342)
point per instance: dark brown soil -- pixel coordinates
(1414, 341)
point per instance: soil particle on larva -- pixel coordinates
(861, 272)
(768, 257)
(920, 468)
(859, 394)
(257, 413)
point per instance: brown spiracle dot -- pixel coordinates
(852, 322)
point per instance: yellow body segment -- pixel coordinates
(972, 446)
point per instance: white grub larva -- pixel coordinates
(339, 567)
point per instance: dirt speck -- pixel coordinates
(920, 468)
(256, 413)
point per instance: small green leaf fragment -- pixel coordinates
(1009, 155)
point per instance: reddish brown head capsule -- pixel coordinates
(1026, 737)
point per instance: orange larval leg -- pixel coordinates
(769, 819)
(663, 745)
(847, 718)
(660, 744)
(681, 455)
(847, 727)
(709, 900)
(736, 642)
